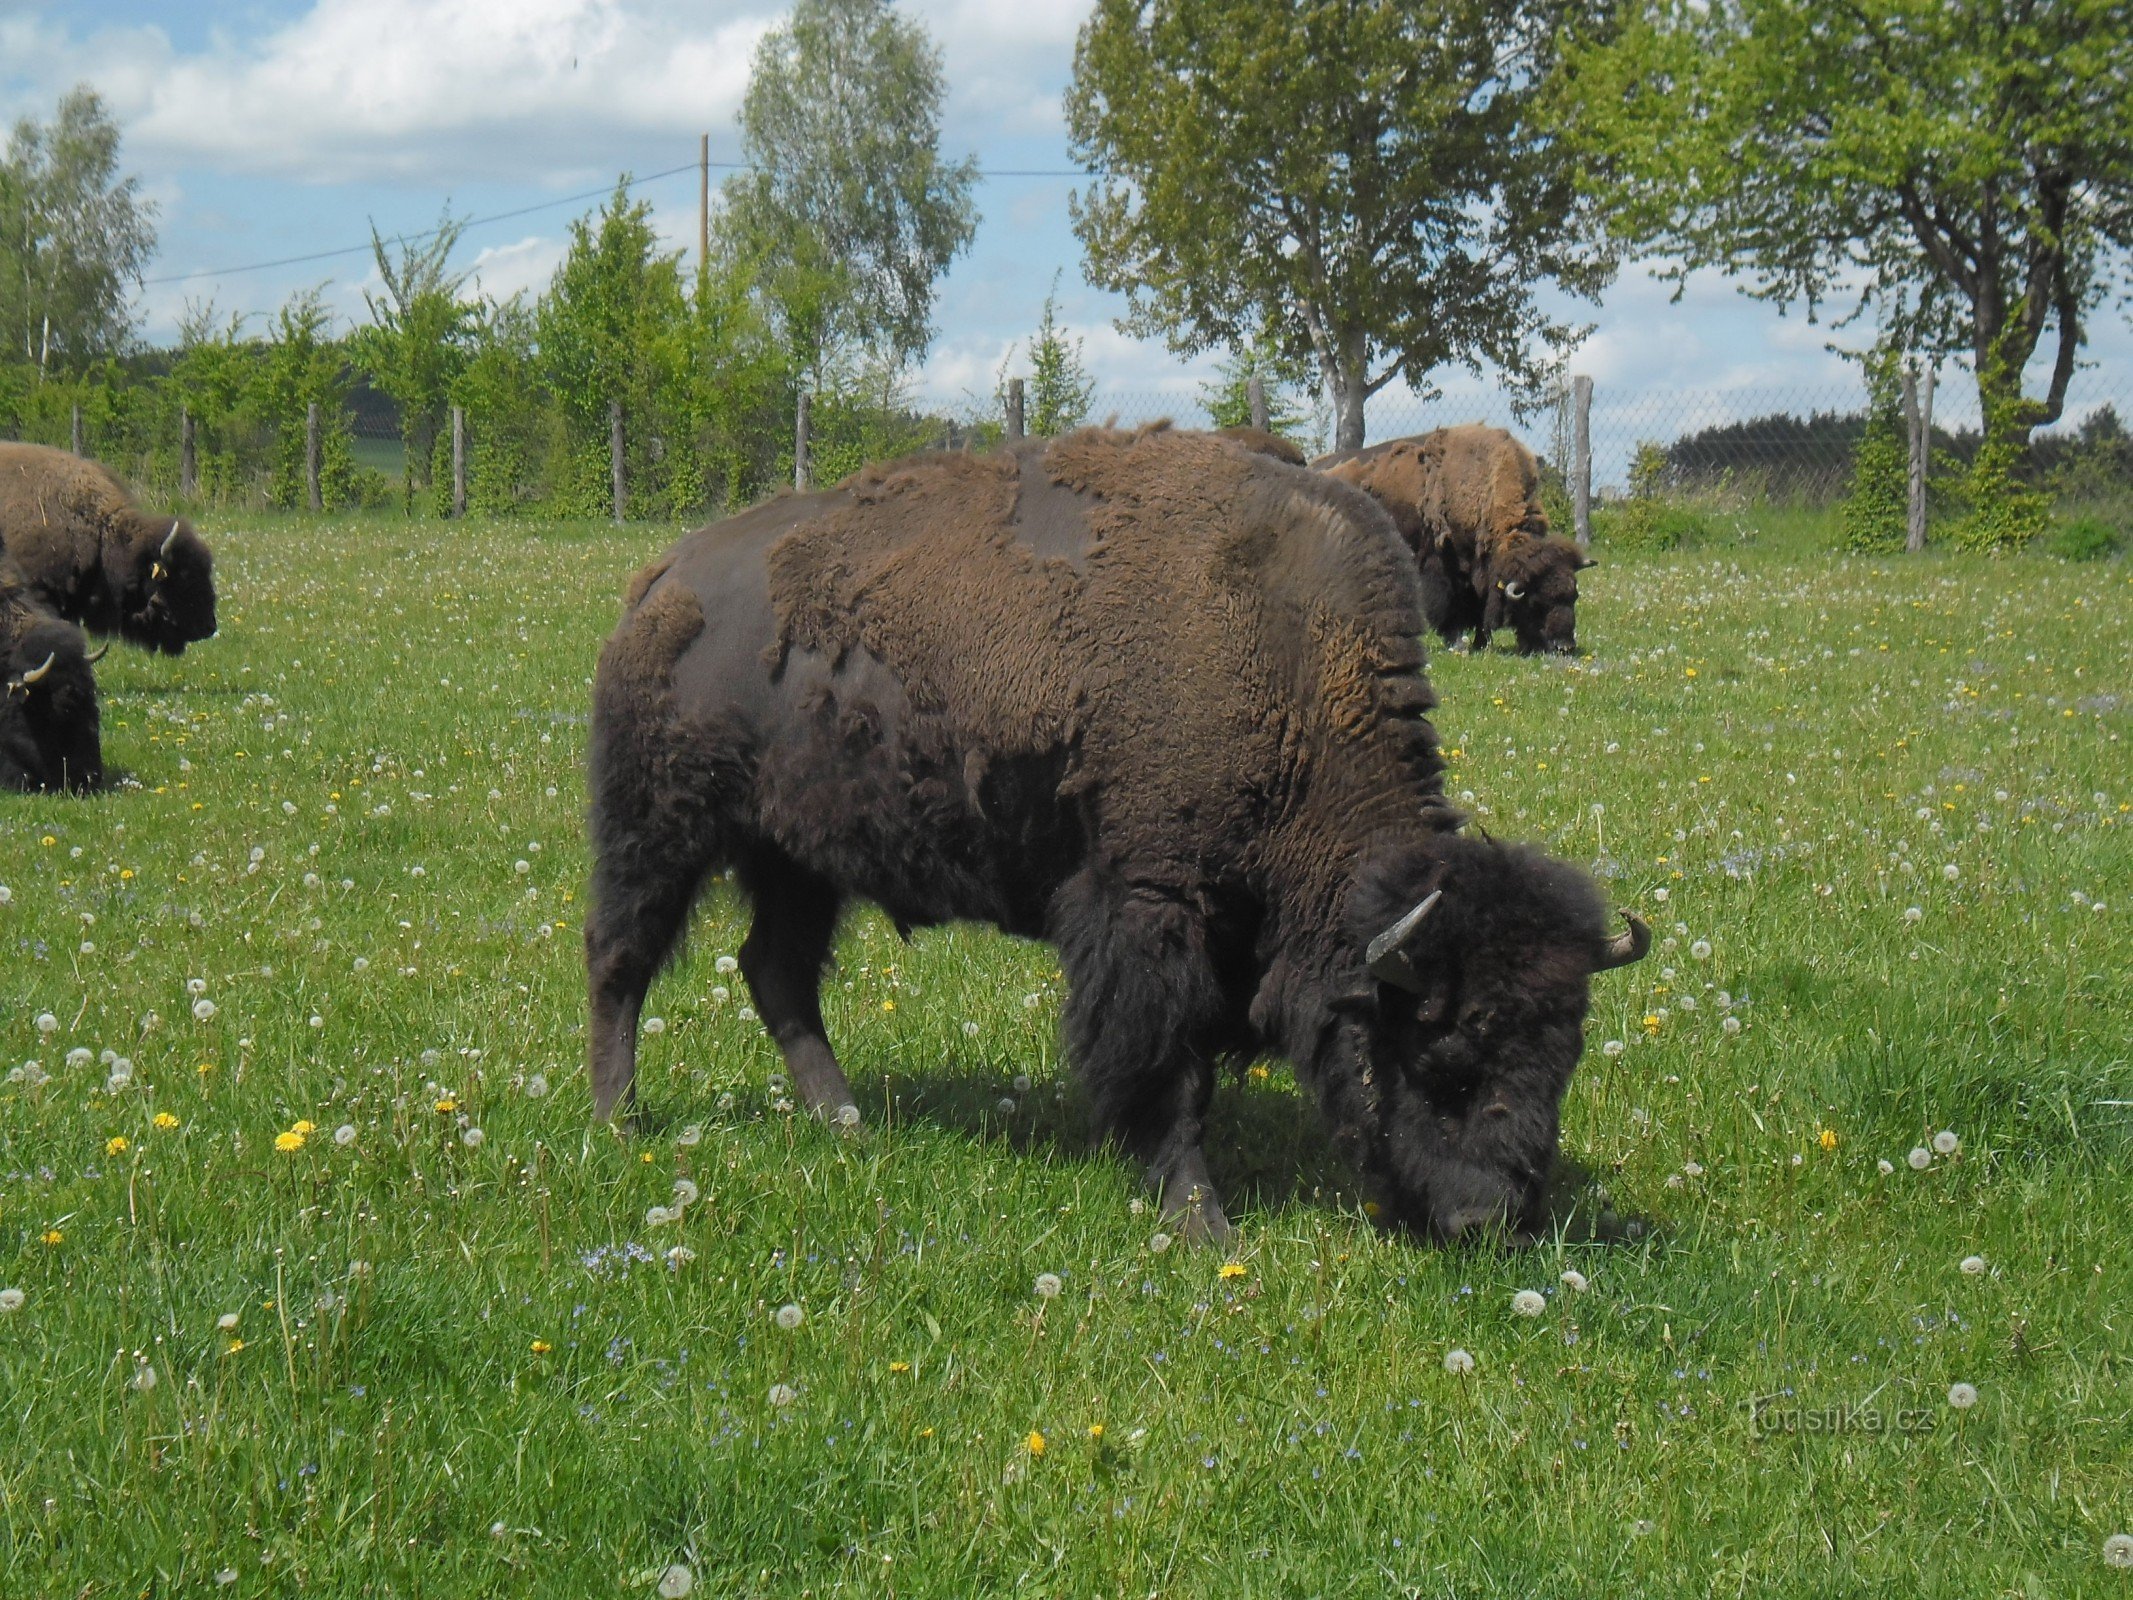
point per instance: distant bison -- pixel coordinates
(50, 736)
(70, 532)
(1151, 696)
(1467, 501)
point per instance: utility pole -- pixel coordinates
(703, 206)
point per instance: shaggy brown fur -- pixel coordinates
(1267, 444)
(1153, 696)
(70, 532)
(50, 733)
(1467, 500)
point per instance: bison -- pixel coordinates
(1467, 501)
(71, 534)
(1151, 696)
(50, 737)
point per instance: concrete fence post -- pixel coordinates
(312, 490)
(618, 482)
(802, 467)
(77, 430)
(1581, 458)
(459, 462)
(1014, 408)
(1255, 394)
(1918, 417)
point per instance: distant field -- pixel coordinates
(1877, 811)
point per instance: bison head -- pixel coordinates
(49, 733)
(168, 598)
(1479, 959)
(1535, 594)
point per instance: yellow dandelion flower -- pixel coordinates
(1258, 1074)
(115, 1145)
(1096, 1430)
(899, 1366)
(1651, 1022)
(447, 1106)
(289, 1143)
(234, 1346)
(1232, 1269)
(541, 1347)
(925, 1433)
(166, 1120)
(52, 1236)
(304, 1127)
(1828, 1140)
(888, 1005)
(205, 1068)
(1035, 1442)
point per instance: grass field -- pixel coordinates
(333, 1290)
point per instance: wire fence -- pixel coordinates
(1782, 446)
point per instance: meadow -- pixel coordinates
(322, 1282)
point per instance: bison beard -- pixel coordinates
(1154, 697)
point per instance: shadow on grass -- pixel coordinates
(1266, 1148)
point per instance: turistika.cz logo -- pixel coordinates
(1776, 1413)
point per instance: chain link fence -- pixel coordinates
(1745, 446)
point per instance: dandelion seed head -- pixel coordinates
(1962, 1396)
(1576, 1281)
(1048, 1286)
(1529, 1302)
(1920, 1158)
(676, 1582)
(472, 1138)
(783, 1395)
(790, 1317)
(2118, 1551)
(685, 1192)
(1458, 1362)
(11, 1301)
(1159, 1242)
(1701, 949)
(1946, 1143)
(1973, 1266)
(655, 1025)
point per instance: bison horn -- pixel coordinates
(1388, 953)
(1515, 591)
(99, 653)
(1633, 943)
(36, 674)
(169, 539)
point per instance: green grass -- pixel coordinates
(472, 1370)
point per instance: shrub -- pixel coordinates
(2084, 539)
(1874, 517)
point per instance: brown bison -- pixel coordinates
(1467, 501)
(50, 734)
(71, 534)
(1150, 696)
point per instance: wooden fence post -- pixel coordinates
(459, 462)
(77, 429)
(188, 455)
(1255, 393)
(311, 483)
(1918, 413)
(802, 468)
(1014, 408)
(619, 483)
(1581, 458)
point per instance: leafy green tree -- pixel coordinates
(303, 365)
(417, 341)
(1367, 177)
(1966, 165)
(1284, 378)
(211, 376)
(613, 327)
(516, 440)
(850, 209)
(1060, 388)
(72, 233)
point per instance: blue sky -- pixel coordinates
(286, 127)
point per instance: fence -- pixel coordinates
(1754, 445)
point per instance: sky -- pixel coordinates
(286, 128)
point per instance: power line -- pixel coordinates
(544, 205)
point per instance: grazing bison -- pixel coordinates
(71, 533)
(1151, 696)
(49, 727)
(1467, 501)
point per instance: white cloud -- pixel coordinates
(433, 91)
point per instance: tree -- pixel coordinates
(850, 208)
(1367, 177)
(614, 327)
(1283, 378)
(72, 232)
(1060, 387)
(304, 365)
(417, 342)
(1965, 166)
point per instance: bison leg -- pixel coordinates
(1142, 999)
(782, 959)
(633, 926)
